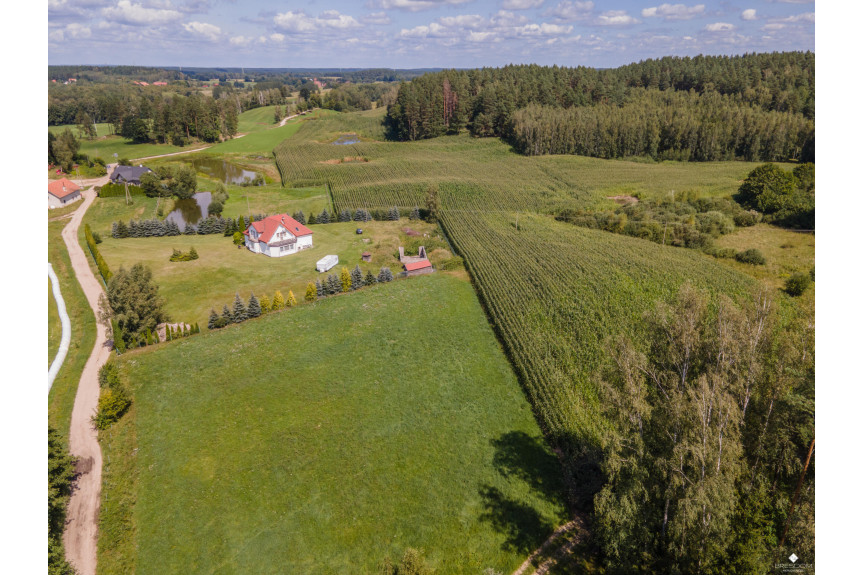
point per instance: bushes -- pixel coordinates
(97, 257)
(751, 256)
(110, 190)
(797, 283)
(179, 256)
(113, 399)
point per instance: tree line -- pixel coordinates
(711, 419)
(767, 98)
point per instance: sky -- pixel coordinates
(417, 33)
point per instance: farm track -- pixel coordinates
(550, 561)
(82, 517)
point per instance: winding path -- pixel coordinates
(82, 516)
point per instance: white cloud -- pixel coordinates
(748, 14)
(462, 20)
(544, 29)
(521, 4)
(719, 27)
(570, 11)
(807, 17)
(241, 40)
(208, 31)
(674, 11)
(300, 22)
(137, 15)
(77, 31)
(615, 18)
(277, 38)
(380, 18)
(413, 5)
(55, 35)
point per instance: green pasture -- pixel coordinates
(263, 141)
(324, 438)
(786, 252)
(475, 173)
(106, 145)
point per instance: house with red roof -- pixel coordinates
(277, 236)
(62, 192)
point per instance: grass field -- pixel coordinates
(786, 252)
(380, 420)
(62, 396)
(225, 270)
(263, 141)
(106, 145)
(475, 173)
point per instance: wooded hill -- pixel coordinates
(756, 107)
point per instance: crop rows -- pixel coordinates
(555, 293)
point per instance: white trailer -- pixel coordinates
(327, 263)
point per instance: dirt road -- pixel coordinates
(82, 517)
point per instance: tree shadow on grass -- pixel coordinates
(525, 528)
(521, 456)
(524, 459)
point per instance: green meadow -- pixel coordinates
(323, 438)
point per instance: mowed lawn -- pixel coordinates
(323, 438)
(263, 141)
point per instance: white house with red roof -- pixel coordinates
(62, 192)
(277, 236)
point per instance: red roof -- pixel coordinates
(62, 188)
(268, 226)
(417, 265)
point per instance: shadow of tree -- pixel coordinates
(524, 527)
(521, 456)
(527, 460)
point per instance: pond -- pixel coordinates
(226, 172)
(347, 139)
(190, 210)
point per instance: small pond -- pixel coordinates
(190, 210)
(347, 139)
(226, 172)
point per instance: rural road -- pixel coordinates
(284, 120)
(82, 516)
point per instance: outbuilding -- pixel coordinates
(62, 192)
(418, 267)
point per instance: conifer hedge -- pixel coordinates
(97, 257)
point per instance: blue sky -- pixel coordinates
(417, 33)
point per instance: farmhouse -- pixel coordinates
(62, 192)
(277, 236)
(129, 174)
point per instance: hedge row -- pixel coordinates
(100, 261)
(110, 190)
